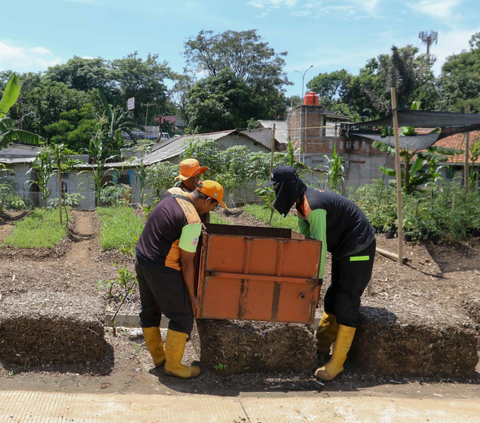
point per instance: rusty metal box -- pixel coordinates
(254, 273)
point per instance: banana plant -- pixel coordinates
(117, 120)
(8, 132)
(420, 167)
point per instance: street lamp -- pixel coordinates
(303, 78)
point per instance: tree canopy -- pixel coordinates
(231, 80)
(248, 59)
(459, 81)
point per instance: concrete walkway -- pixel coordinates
(56, 407)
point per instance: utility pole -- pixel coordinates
(428, 39)
(147, 105)
(303, 78)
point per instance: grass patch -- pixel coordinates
(214, 218)
(40, 229)
(262, 214)
(120, 227)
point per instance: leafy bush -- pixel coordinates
(160, 177)
(69, 200)
(115, 195)
(13, 201)
(446, 212)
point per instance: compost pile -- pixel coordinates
(238, 347)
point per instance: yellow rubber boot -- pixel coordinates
(326, 333)
(340, 350)
(154, 342)
(174, 351)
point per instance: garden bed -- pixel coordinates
(431, 302)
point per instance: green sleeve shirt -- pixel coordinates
(316, 227)
(189, 238)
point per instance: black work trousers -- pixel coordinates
(162, 290)
(350, 277)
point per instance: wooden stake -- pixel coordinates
(467, 149)
(60, 190)
(273, 149)
(399, 176)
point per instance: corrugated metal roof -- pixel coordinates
(281, 129)
(17, 160)
(174, 148)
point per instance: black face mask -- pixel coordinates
(287, 192)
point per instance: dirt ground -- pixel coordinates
(438, 281)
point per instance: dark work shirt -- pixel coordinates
(164, 227)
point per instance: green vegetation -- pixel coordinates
(40, 229)
(214, 218)
(263, 214)
(125, 282)
(446, 213)
(120, 228)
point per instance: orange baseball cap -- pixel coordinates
(214, 190)
(190, 168)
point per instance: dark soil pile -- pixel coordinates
(388, 345)
(238, 347)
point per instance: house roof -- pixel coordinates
(169, 119)
(281, 129)
(175, 146)
(16, 160)
(458, 141)
(18, 151)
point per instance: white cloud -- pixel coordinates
(82, 1)
(316, 9)
(39, 50)
(272, 4)
(24, 59)
(441, 9)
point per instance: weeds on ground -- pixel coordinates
(262, 214)
(40, 229)
(125, 281)
(214, 218)
(120, 227)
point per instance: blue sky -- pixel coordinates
(330, 35)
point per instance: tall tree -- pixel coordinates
(46, 103)
(459, 81)
(144, 80)
(85, 75)
(249, 59)
(220, 102)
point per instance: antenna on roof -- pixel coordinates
(428, 39)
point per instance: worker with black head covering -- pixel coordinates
(347, 234)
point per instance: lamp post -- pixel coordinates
(303, 77)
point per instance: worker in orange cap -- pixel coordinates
(190, 174)
(165, 271)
